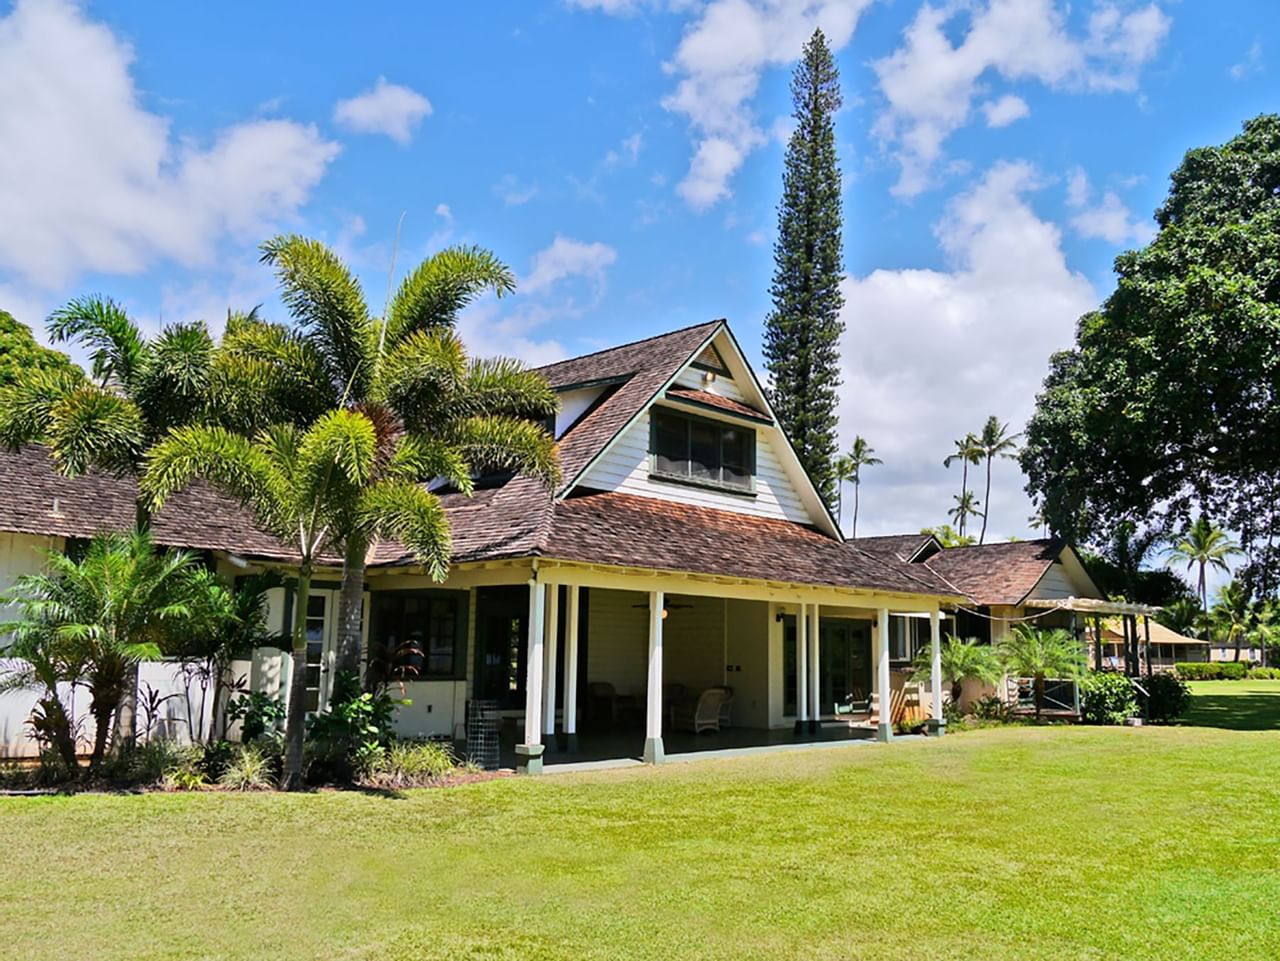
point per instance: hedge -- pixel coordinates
(1211, 670)
(1106, 698)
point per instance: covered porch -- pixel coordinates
(621, 664)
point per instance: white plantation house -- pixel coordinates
(684, 587)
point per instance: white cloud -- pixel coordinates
(91, 180)
(628, 152)
(612, 7)
(1251, 64)
(929, 354)
(929, 84)
(389, 108)
(1008, 109)
(513, 193)
(1109, 219)
(719, 61)
(567, 258)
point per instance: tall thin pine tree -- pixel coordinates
(802, 332)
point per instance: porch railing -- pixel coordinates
(1060, 693)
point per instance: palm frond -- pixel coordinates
(93, 427)
(418, 459)
(26, 407)
(341, 446)
(101, 326)
(412, 516)
(420, 375)
(507, 444)
(504, 386)
(325, 297)
(171, 385)
(272, 368)
(434, 293)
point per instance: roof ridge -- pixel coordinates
(632, 343)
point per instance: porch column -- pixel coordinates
(802, 669)
(815, 663)
(529, 754)
(884, 694)
(549, 655)
(571, 667)
(653, 714)
(937, 724)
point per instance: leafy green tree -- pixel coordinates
(848, 469)
(1183, 616)
(97, 616)
(1167, 405)
(446, 416)
(948, 536)
(1203, 546)
(961, 660)
(1041, 654)
(995, 441)
(802, 331)
(1237, 619)
(19, 353)
(968, 451)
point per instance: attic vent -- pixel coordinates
(57, 508)
(711, 360)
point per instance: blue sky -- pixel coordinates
(624, 157)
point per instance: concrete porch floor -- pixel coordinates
(599, 750)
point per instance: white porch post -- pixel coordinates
(653, 713)
(884, 695)
(815, 664)
(938, 725)
(529, 754)
(550, 651)
(802, 668)
(571, 667)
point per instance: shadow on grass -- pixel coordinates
(1235, 712)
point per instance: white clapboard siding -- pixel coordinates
(618, 640)
(625, 468)
(1055, 583)
(693, 378)
(693, 642)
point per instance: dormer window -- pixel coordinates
(708, 453)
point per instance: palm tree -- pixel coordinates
(1041, 654)
(961, 660)
(948, 536)
(98, 616)
(849, 468)
(966, 506)
(968, 451)
(1203, 545)
(408, 371)
(995, 441)
(1183, 616)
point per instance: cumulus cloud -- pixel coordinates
(719, 61)
(929, 83)
(388, 108)
(929, 354)
(1008, 109)
(512, 192)
(1109, 219)
(91, 180)
(566, 279)
(1251, 64)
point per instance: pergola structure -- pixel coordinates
(1097, 608)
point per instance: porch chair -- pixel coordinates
(702, 715)
(726, 708)
(606, 705)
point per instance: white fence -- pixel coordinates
(180, 710)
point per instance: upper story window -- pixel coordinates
(700, 451)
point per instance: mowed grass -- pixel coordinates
(1235, 705)
(1014, 843)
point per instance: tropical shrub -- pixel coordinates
(250, 768)
(352, 737)
(991, 708)
(1107, 697)
(1264, 674)
(258, 712)
(1167, 697)
(1211, 670)
(1040, 655)
(412, 764)
(961, 660)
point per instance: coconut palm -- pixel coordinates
(409, 373)
(968, 451)
(96, 617)
(1040, 654)
(1204, 546)
(966, 506)
(849, 469)
(995, 441)
(961, 660)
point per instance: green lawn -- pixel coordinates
(1235, 705)
(1016, 843)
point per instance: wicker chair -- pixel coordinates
(726, 708)
(701, 715)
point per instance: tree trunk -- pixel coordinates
(856, 496)
(102, 716)
(964, 488)
(296, 721)
(59, 728)
(127, 709)
(350, 603)
(983, 536)
(216, 732)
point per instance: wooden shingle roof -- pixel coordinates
(997, 573)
